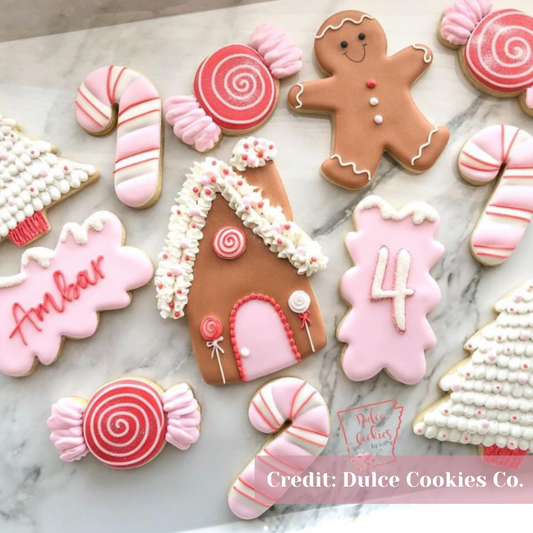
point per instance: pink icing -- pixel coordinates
(59, 293)
(66, 429)
(139, 155)
(183, 416)
(292, 451)
(505, 218)
(461, 18)
(278, 51)
(370, 331)
(260, 340)
(529, 98)
(190, 123)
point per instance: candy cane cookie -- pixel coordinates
(118, 96)
(506, 153)
(126, 423)
(495, 48)
(235, 89)
(290, 451)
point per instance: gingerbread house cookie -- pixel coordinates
(238, 265)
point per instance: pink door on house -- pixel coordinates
(261, 337)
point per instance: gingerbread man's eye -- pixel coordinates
(344, 44)
(362, 36)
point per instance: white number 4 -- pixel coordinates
(400, 292)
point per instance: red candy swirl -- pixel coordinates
(499, 53)
(211, 328)
(125, 424)
(229, 242)
(236, 88)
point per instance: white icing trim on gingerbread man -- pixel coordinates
(342, 22)
(351, 164)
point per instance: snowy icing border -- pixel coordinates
(420, 211)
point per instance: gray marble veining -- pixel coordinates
(181, 491)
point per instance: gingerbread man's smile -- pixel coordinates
(354, 60)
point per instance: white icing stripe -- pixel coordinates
(420, 211)
(139, 110)
(79, 233)
(137, 159)
(298, 94)
(508, 212)
(427, 53)
(353, 165)
(343, 21)
(425, 145)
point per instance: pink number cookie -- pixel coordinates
(235, 89)
(503, 154)
(237, 264)
(118, 96)
(368, 95)
(126, 423)
(33, 179)
(293, 448)
(58, 293)
(489, 395)
(495, 48)
(390, 290)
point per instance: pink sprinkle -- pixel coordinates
(4, 157)
(43, 173)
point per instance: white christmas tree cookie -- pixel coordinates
(490, 394)
(33, 179)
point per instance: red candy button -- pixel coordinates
(371, 83)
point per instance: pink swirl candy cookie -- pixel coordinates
(503, 154)
(235, 89)
(495, 48)
(139, 157)
(229, 242)
(126, 423)
(291, 451)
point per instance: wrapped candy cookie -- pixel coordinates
(235, 89)
(126, 423)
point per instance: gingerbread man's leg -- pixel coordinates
(419, 145)
(355, 156)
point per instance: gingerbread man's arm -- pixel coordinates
(317, 95)
(413, 61)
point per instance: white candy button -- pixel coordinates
(374, 101)
(378, 119)
(245, 352)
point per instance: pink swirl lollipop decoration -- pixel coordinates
(495, 49)
(211, 330)
(126, 423)
(299, 302)
(291, 451)
(235, 89)
(503, 152)
(229, 242)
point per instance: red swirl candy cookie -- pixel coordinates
(229, 242)
(495, 48)
(235, 89)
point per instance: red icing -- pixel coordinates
(29, 229)
(236, 88)
(68, 292)
(503, 457)
(371, 84)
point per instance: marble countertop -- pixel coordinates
(178, 492)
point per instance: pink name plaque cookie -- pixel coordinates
(58, 293)
(390, 290)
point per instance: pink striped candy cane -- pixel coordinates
(505, 152)
(291, 451)
(139, 157)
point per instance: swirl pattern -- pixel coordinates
(229, 242)
(211, 328)
(125, 423)
(236, 88)
(499, 53)
(299, 302)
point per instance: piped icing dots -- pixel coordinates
(253, 153)
(32, 177)
(491, 396)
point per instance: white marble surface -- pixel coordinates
(179, 491)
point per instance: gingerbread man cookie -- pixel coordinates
(368, 95)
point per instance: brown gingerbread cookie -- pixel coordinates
(238, 265)
(368, 95)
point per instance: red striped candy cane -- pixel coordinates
(138, 119)
(505, 152)
(291, 451)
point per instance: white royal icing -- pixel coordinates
(420, 211)
(174, 274)
(253, 153)
(491, 395)
(31, 176)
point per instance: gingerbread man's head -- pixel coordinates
(349, 40)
